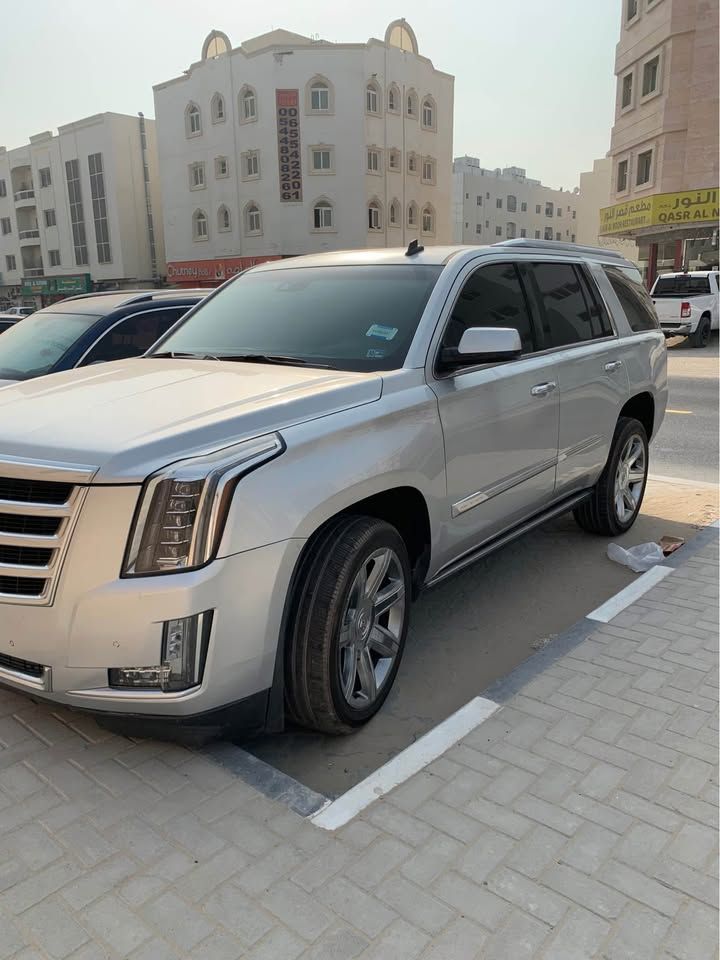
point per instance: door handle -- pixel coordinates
(613, 365)
(543, 389)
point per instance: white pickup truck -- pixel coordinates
(687, 304)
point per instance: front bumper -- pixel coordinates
(99, 621)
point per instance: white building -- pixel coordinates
(595, 191)
(288, 145)
(81, 208)
(493, 205)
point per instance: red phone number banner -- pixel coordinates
(287, 106)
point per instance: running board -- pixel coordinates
(489, 546)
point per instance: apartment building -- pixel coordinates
(287, 145)
(80, 210)
(593, 195)
(498, 204)
(664, 143)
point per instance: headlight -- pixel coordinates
(183, 507)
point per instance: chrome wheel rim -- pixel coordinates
(371, 628)
(630, 478)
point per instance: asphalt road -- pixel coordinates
(687, 443)
(480, 625)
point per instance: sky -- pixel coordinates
(534, 83)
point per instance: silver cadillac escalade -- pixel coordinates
(229, 531)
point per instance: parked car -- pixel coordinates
(90, 328)
(230, 530)
(687, 304)
(8, 320)
(20, 311)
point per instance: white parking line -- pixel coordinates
(615, 605)
(411, 760)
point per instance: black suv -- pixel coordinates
(91, 328)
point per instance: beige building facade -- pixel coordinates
(664, 143)
(593, 195)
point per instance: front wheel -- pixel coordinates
(615, 501)
(348, 634)
(701, 337)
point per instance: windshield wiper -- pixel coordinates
(173, 355)
(271, 358)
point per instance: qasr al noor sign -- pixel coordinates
(691, 208)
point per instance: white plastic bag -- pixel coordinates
(639, 558)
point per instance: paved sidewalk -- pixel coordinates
(579, 821)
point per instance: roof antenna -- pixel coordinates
(413, 248)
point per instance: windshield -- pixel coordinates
(33, 346)
(350, 318)
(683, 285)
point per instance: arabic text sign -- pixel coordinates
(287, 104)
(690, 207)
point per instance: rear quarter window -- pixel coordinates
(634, 299)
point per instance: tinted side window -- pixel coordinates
(566, 315)
(599, 320)
(637, 305)
(6, 324)
(134, 335)
(492, 297)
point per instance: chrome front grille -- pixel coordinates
(39, 505)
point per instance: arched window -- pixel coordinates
(412, 215)
(247, 105)
(394, 214)
(193, 121)
(323, 215)
(372, 97)
(216, 43)
(319, 96)
(428, 113)
(411, 104)
(374, 215)
(200, 225)
(400, 34)
(253, 219)
(224, 219)
(393, 98)
(217, 108)
(511, 204)
(428, 170)
(428, 218)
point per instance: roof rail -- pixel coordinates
(138, 296)
(560, 247)
(104, 293)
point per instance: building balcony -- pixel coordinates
(25, 198)
(28, 236)
(33, 272)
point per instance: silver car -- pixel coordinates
(230, 530)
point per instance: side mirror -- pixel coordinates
(483, 345)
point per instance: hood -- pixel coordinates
(131, 417)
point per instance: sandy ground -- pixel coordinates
(480, 625)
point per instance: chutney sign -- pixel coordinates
(287, 106)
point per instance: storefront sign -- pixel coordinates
(691, 208)
(210, 272)
(49, 286)
(287, 104)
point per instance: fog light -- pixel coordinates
(183, 654)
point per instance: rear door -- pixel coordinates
(499, 421)
(592, 379)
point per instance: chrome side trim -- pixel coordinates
(466, 559)
(42, 684)
(46, 470)
(582, 447)
(513, 480)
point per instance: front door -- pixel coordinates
(500, 421)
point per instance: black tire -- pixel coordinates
(598, 514)
(313, 693)
(701, 337)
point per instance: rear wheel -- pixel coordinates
(701, 337)
(351, 621)
(617, 497)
